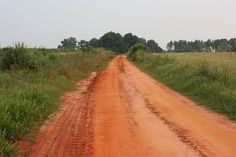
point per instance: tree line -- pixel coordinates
(219, 45)
(121, 44)
(112, 41)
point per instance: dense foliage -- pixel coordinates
(28, 96)
(134, 49)
(20, 57)
(112, 41)
(69, 43)
(219, 45)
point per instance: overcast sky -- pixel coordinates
(46, 22)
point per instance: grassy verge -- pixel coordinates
(29, 91)
(207, 78)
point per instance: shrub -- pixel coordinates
(87, 49)
(134, 49)
(19, 58)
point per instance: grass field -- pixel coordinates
(207, 78)
(29, 92)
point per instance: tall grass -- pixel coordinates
(29, 96)
(207, 78)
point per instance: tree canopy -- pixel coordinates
(130, 40)
(69, 43)
(152, 46)
(219, 45)
(112, 41)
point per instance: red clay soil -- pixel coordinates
(122, 112)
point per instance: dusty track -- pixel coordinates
(124, 113)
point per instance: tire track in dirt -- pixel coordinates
(206, 132)
(70, 131)
(179, 132)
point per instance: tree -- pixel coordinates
(142, 41)
(82, 44)
(153, 46)
(129, 40)
(94, 42)
(225, 47)
(208, 45)
(59, 47)
(170, 46)
(199, 45)
(69, 43)
(232, 42)
(112, 41)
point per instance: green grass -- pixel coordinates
(207, 78)
(28, 97)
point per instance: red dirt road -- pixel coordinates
(122, 112)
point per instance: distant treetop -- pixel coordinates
(219, 45)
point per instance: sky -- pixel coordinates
(44, 23)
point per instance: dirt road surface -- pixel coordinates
(122, 112)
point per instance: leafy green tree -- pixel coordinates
(69, 43)
(94, 42)
(133, 50)
(82, 44)
(208, 45)
(142, 41)
(112, 41)
(59, 47)
(153, 46)
(170, 46)
(232, 42)
(199, 46)
(225, 47)
(129, 40)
